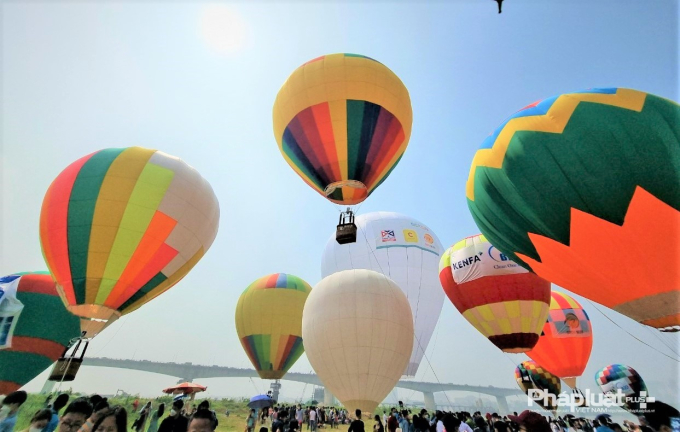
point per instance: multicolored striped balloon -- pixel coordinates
(342, 122)
(121, 226)
(42, 334)
(566, 341)
(269, 323)
(502, 300)
(621, 377)
(575, 186)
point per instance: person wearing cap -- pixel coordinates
(530, 421)
(10, 409)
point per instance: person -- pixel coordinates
(203, 420)
(135, 404)
(153, 420)
(600, 424)
(357, 425)
(39, 420)
(10, 410)
(378, 426)
(112, 419)
(480, 424)
(75, 416)
(175, 422)
(501, 426)
(312, 419)
(140, 423)
(250, 421)
(59, 403)
(299, 415)
(206, 405)
(530, 421)
(278, 424)
(464, 427)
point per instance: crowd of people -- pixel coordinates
(95, 414)
(298, 418)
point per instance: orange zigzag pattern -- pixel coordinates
(613, 265)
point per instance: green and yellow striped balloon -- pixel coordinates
(121, 226)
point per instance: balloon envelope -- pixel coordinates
(121, 226)
(42, 333)
(621, 377)
(342, 122)
(269, 323)
(502, 300)
(542, 379)
(570, 185)
(407, 252)
(358, 333)
(566, 341)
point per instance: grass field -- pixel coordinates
(236, 421)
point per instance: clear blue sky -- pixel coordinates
(78, 77)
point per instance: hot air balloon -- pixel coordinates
(539, 378)
(121, 226)
(42, 333)
(503, 301)
(407, 252)
(367, 318)
(567, 338)
(569, 185)
(342, 122)
(269, 323)
(621, 377)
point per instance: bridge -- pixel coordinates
(190, 372)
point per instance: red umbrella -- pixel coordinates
(185, 388)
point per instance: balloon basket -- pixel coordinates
(66, 368)
(346, 231)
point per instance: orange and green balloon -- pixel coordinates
(120, 227)
(581, 188)
(42, 333)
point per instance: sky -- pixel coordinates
(198, 81)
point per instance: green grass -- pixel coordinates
(235, 422)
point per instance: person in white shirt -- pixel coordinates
(312, 419)
(464, 427)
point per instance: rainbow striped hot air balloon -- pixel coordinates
(342, 122)
(269, 322)
(503, 301)
(566, 341)
(579, 186)
(42, 333)
(121, 226)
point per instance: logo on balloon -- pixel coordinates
(497, 255)
(410, 236)
(388, 236)
(428, 239)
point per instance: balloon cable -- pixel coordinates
(666, 344)
(630, 334)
